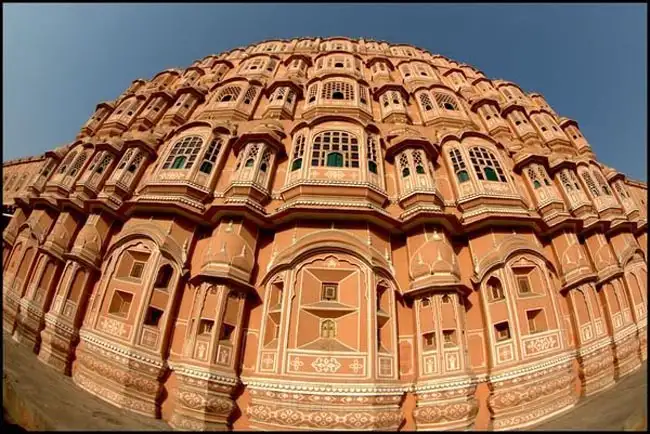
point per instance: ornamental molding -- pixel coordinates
(130, 353)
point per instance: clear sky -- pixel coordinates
(589, 61)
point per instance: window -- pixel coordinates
(136, 162)
(205, 326)
(502, 331)
(229, 94)
(446, 299)
(298, 152)
(329, 292)
(313, 90)
(328, 329)
(536, 184)
(449, 337)
(486, 166)
(136, 270)
(458, 165)
(429, 340)
(523, 284)
(164, 277)
(250, 95)
(344, 146)
(183, 153)
(418, 161)
(445, 101)
(120, 303)
(536, 321)
(226, 332)
(425, 102)
(371, 151)
(104, 163)
(565, 181)
(210, 157)
(620, 190)
(590, 184)
(495, 289)
(76, 166)
(602, 182)
(152, 318)
(425, 302)
(337, 90)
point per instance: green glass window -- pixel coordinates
(206, 167)
(405, 172)
(490, 174)
(536, 184)
(334, 159)
(462, 176)
(419, 169)
(297, 164)
(179, 162)
(250, 162)
(372, 166)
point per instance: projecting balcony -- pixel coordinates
(327, 107)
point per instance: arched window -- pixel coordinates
(486, 166)
(106, 160)
(264, 162)
(136, 162)
(210, 157)
(337, 90)
(564, 179)
(495, 290)
(250, 95)
(445, 101)
(229, 94)
(602, 182)
(341, 143)
(328, 329)
(371, 153)
(313, 90)
(425, 101)
(404, 165)
(458, 165)
(184, 153)
(543, 175)
(298, 152)
(536, 184)
(590, 184)
(76, 166)
(418, 161)
(67, 161)
(620, 190)
(164, 277)
(125, 158)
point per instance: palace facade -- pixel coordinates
(328, 234)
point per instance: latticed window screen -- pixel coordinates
(125, 158)
(371, 152)
(250, 95)
(229, 94)
(533, 178)
(423, 70)
(543, 175)
(363, 94)
(418, 161)
(621, 191)
(106, 160)
(270, 66)
(576, 184)
(67, 161)
(425, 101)
(445, 101)
(406, 70)
(486, 166)
(602, 182)
(184, 153)
(252, 155)
(279, 93)
(590, 184)
(264, 162)
(313, 91)
(76, 166)
(290, 96)
(460, 169)
(404, 165)
(136, 162)
(337, 90)
(328, 329)
(210, 157)
(254, 64)
(335, 149)
(298, 152)
(95, 160)
(564, 179)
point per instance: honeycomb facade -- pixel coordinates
(328, 234)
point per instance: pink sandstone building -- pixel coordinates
(328, 234)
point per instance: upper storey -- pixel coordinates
(16, 177)
(391, 132)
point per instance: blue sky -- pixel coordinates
(589, 61)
